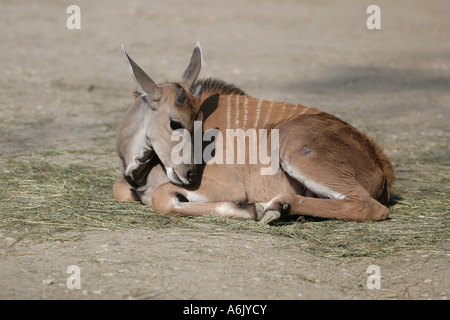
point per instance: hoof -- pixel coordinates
(270, 216)
(259, 211)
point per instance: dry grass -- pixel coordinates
(39, 199)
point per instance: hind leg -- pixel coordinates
(340, 196)
(359, 208)
(335, 165)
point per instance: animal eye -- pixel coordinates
(174, 125)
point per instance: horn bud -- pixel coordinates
(181, 96)
(198, 90)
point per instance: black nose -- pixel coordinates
(192, 175)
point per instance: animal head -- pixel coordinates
(146, 129)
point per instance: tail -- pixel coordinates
(389, 178)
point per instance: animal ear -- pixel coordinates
(193, 69)
(146, 86)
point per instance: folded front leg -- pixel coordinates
(171, 199)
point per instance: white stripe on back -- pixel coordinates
(304, 111)
(258, 112)
(245, 111)
(237, 111)
(229, 112)
(293, 109)
(268, 113)
(283, 109)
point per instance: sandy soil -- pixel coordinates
(66, 89)
(183, 264)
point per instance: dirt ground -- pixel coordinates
(66, 90)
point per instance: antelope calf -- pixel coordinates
(328, 169)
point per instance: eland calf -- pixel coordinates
(327, 168)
